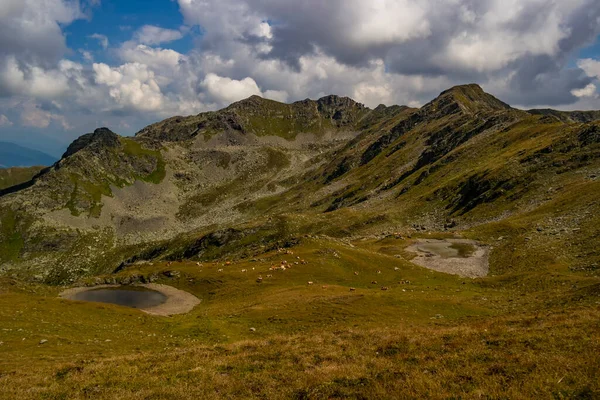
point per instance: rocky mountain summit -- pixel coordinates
(261, 173)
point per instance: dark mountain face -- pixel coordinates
(259, 173)
(12, 155)
(102, 137)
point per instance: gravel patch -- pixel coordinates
(439, 256)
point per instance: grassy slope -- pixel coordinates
(436, 337)
(529, 330)
(14, 176)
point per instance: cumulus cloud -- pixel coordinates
(588, 91)
(153, 57)
(33, 80)
(489, 40)
(154, 35)
(30, 29)
(33, 115)
(590, 66)
(227, 90)
(277, 95)
(131, 85)
(378, 51)
(32, 47)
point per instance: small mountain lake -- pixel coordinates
(134, 296)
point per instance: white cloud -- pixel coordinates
(379, 51)
(481, 36)
(588, 91)
(132, 85)
(226, 90)
(4, 121)
(455, 40)
(33, 116)
(153, 57)
(590, 66)
(87, 56)
(277, 95)
(102, 39)
(32, 80)
(263, 30)
(379, 22)
(154, 35)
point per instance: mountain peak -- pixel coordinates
(250, 102)
(473, 98)
(100, 137)
(473, 88)
(470, 98)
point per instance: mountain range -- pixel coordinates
(261, 174)
(13, 155)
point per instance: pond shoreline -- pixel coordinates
(177, 302)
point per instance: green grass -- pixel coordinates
(135, 149)
(11, 226)
(14, 176)
(90, 186)
(528, 330)
(440, 336)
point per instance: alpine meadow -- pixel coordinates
(260, 246)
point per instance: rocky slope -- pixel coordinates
(262, 173)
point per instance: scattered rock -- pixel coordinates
(252, 329)
(43, 341)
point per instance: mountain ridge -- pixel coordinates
(463, 160)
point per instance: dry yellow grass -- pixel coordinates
(517, 357)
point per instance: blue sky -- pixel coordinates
(119, 19)
(162, 58)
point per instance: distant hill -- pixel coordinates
(13, 155)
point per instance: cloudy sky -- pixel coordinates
(69, 66)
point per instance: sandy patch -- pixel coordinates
(178, 301)
(439, 256)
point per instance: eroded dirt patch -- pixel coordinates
(177, 302)
(453, 256)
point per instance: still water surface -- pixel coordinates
(135, 297)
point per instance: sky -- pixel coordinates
(70, 66)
